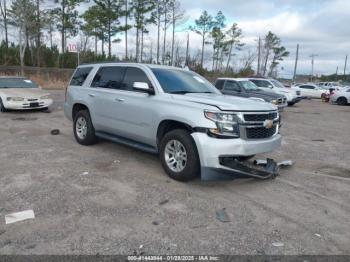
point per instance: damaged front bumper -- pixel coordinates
(236, 169)
(217, 156)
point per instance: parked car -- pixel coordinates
(310, 90)
(292, 96)
(169, 111)
(340, 97)
(18, 93)
(245, 88)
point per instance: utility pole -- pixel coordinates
(296, 63)
(312, 66)
(336, 74)
(259, 54)
(346, 61)
(187, 48)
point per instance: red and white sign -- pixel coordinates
(72, 48)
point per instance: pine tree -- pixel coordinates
(203, 26)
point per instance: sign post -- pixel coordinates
(73, 48)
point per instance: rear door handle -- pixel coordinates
(119, 100)
(91, 95)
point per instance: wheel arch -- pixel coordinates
(78, 107)
(168, 125)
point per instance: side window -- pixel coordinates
(307, 87)
(219, 84)
(133, 75)
(80, 76)
(261, 83)
(109, 77)
(232, 86)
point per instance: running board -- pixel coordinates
(127, 142)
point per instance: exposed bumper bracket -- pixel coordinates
(239, 169)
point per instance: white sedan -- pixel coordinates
(340, 97)
(310, 90)
(18, 93)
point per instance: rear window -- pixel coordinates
(80, 76)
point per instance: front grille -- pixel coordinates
(260, 132)
(284, 100)
(32, 99)
(298, 93)
(260, 117)
(279, 101)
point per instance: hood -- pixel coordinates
(266, 95)
(23, 92)
(226, 103)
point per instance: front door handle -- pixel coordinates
(91, 95)
(119, 100)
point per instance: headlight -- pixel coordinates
(45, 97)
(15, 99)
(274, 102)
(227, 124)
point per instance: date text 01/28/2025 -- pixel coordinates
(173, 258)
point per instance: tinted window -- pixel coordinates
(219, 84)
(80, 76)
(307, 87)
(232, 86)
(261, 83)
(133, 75)
(109, 77)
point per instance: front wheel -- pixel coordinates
(2, 107)
(342, 101)
(179, 156)
(291, 103)
(83, 128)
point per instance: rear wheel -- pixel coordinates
(179, 156)
(342, 101)
(83, 128)
(2, 107)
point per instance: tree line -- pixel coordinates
(34, 23)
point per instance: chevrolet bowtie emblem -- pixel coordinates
(268, 124)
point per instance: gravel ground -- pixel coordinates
(111, 199)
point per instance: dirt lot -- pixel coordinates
(117, 206)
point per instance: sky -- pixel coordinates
(320, 27)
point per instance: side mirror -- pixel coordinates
(270, 86)
(143, 87)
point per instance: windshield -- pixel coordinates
(248, 85)
(16, 83)
(182, 82)
(277, 84)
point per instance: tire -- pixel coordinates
(342, 101)
(86, 136)
(181, 141)
(291, 103)
(2, 108)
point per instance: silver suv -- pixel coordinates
(172, 112)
